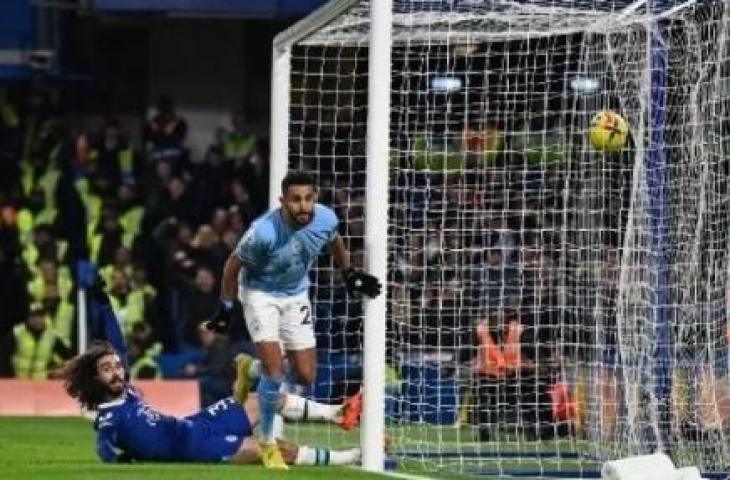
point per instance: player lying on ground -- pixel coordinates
(129, 429)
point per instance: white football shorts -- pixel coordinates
(287, 320)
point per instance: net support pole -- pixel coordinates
(279, 142)
(656, 177)
(376, 233)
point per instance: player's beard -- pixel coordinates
(115, 387)
(299, 219)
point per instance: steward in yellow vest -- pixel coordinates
(146, 366)
(128, 305)
(238, 144)
(37, 348)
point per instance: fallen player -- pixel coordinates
(128, 429)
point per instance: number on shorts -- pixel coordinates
(307, 315)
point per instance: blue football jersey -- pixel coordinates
(132, 427)
(278, 256)
(129, 429)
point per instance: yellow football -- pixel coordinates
(609, 131)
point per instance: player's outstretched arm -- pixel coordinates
(110, 326)
(357, 281)
(221, 319)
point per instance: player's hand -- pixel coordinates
(222, 317)
(361, 282)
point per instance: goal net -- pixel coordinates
(549, 304)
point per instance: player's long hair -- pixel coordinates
(80, 376)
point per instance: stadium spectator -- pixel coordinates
(131, 214)
(240, 147)
(230, 238)
(201, 302)
(39, 208)
(143, 353)
(11, 141)
(240, 197)
(164, 135)
(207, 250)
(60, 313)
(108, 239)
(122, 262)
(444, 326)
(215, 373)
(238, 144)
(128, 305)
(210, 179)
(238, 221)
(14, 300)
(36, 347)
(111, 160)
(219, 221)
(139, 283)
(156, 177)
(50, 274)
(178, 202)
(44, 245)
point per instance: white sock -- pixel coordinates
(322, 456)
(278, 429)
(345, 457)
(306, 456)
(254, 370)
(299, 408)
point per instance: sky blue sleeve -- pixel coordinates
(332, 224)
(252, 247)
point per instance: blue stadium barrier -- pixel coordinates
(430, 396)
(336, 374)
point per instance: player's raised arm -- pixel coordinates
(357, 281)
(340, 253)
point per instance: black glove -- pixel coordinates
(361, 282)
(96, 291)
(221, 319)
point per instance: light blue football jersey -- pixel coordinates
(278, 256)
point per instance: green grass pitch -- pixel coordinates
(63, 448)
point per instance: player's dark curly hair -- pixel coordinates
(80, 376)
(296, 178)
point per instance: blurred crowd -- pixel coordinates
(158, 223)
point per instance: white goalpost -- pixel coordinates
(549, 304)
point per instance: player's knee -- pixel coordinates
(306, 376)
(273, 371)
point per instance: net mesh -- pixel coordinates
(550, 304)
